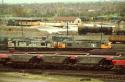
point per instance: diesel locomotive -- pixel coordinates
(53, 42)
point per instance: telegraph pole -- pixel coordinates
(101, 32)
(67, 29)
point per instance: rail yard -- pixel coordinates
(74, 55)
(64, 47)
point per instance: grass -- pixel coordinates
(26, 77)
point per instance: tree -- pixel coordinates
(19, 11)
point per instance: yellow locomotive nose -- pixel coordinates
(59, 45)
(106, 45)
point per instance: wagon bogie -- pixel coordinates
(118, 69)
(3, 58)
(105, 64)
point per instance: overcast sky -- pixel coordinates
(49, 1)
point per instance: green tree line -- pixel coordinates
(63, 9)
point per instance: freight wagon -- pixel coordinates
(77, 61)
(117, 38)
(91, 28)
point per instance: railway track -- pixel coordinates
(69, 69)
(82, 73)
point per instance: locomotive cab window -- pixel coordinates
(43, 44)
(44, 38)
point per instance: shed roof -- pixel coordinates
(71, 18)
(25, 18)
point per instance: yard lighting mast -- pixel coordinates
(2, 7)
(2, 11)
(2, 1)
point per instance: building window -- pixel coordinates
(69, 44)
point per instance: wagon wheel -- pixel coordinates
(6, 61)
(41, 64)
(35, 62)
(69, 63)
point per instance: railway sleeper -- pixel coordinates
(118, 69)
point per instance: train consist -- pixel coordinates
(69, 60)
(53, 42)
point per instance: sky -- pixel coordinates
(49, 1)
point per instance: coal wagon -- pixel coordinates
(54, 60)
